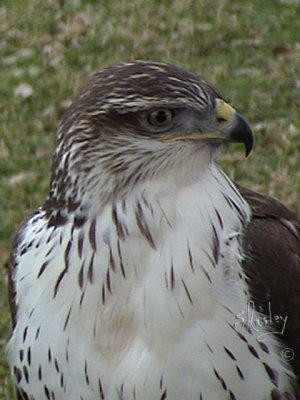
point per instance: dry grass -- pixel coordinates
(248, 50)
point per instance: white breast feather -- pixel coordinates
(134, 318)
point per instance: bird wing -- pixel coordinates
(272, 265)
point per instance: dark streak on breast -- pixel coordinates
(59, 279)
(216, 245)
(43, 267)
(231, 395)
(92, 234)
(79, 221)
(147, 204)
(49, 355)
(91, 269)
(124, 208)
(253, 351)
(56, 365)
(166, 280)
(228, 201)
(206, 273)
(57, 219)
(209, 348)
(276, 395)
(37, 333)
(108, 280)
(25, 249)
(229, 353)
(241, 375)
(100, 389)
(118, 225)
(273, 375)
(21, 394)
(80, 275)
(51, 249)
(47, 393)
(190, 258)
(242, 337)
(17, 374)
(134, 393)
(228, 309)
(220, 379)
(111, 260)
(61, 380)
(21, 355)
(164, 214)
(65, 270)
(172, 277)
(233, 205)
(67, 354)
(219, 218)
(121, 393)
(26, 374)
(161, 382)
(209, 258)
(51, 235)
(81, 298)
(80, 244)
(40, 375)
(187, 292)
(103, 294)
(67, 254)
(67, 318)
(121, 260)
(29, 355)
(25, 333)
(86, 373)
(241, 214)
(264, 347)
(143, 227)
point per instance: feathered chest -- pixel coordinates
(138, 294)
(150, 263)
(153, 259)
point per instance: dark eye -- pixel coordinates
(160, 118)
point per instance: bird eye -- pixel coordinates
(160, 118)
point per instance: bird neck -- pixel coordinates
(84, 189)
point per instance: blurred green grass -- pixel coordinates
(250, 51)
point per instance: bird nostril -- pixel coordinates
(221, 119)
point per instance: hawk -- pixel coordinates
(131, 281)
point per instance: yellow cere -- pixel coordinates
(224, 110)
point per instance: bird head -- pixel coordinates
(136, 121)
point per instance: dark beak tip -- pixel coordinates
(248, 147)
(242, 133)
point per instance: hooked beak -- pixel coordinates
(232, 128)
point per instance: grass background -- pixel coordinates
(250, 51)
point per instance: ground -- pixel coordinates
(247, 50)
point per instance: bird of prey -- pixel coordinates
(133, 279)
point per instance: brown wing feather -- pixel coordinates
(272, 263)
